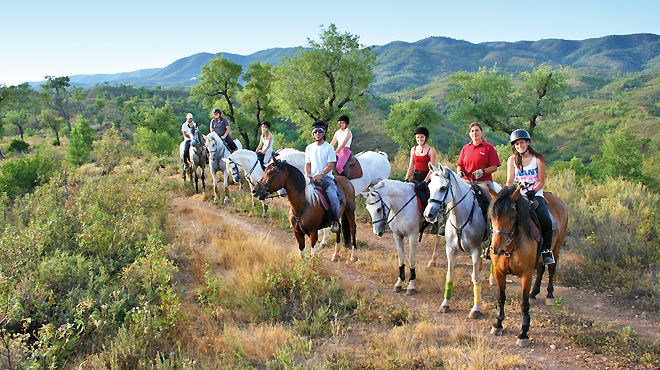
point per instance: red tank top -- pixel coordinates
(422, 161)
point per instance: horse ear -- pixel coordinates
(516, 193)
(365, 194)
(434, 168)
(492, 192)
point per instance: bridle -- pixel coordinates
(247, 174)
(511, 236)
(263, 187)
(389, 209)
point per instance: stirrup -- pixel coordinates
(335, 227)
(548, 257)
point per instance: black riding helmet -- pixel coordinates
(266, 123)
(422, 130)
(519, 134)
(344, 118)
(217, 110)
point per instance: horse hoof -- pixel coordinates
(411, 292)
(353, 258)
(397, 289)
(496, 331)
(324, 245)
(491, 281)
(444, 309)
(549, 301)
(522, 343)
(334, 258)
(475, 315)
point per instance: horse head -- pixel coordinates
(439, 188)
(275, 177)
(233, 168)
(505, 214)
(378, 210)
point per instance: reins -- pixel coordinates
(382, 202)
(459, 231)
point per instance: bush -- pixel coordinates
(18, 146)
(22, 175)
(153, 143)
(110, 150)
(80, 143)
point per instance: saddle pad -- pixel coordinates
(324, 198)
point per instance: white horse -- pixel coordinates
(394, 203)
(464, 229)
(247, 161)
(217, 151)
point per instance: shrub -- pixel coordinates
(110, 150)
(153, 143)
(22, 175)
(80, 142)
(18, 146)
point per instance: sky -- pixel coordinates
(70, 37)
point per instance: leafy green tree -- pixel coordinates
(50, 119)
(543, 94)
(18, 107)
(18, 119)
(255, 100)
(407, 115)
(318, 82)
(80, 144)
(111, 149)
(485, 96)
(150, 142)
(56, 96)
(219, 87)
(621, 156)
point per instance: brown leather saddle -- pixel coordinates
(352, 169)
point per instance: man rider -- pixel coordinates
(186, 131)
(320, 161)
(220, 126)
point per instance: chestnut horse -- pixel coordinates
(513, 249)
(307, 214)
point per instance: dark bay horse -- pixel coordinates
(513, 249)
(307, 214)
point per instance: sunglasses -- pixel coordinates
(318, 132)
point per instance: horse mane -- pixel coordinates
(300, 183)
(503, 206)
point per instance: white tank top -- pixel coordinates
(265, 143)
(340, 136)
(529, 174)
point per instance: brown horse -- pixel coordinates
(513, 249)
(307, 214)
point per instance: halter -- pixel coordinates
(450, 189)
(511, 236)
(389, 209)
(248, 173)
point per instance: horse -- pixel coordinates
(307, 214)
(252, 172)
(197, 155)
(464, 228)
(393, 203)
(217, 151)
(514, 246)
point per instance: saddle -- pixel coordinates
(321, 187)
(352, 168)
(484, 203)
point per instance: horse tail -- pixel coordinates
(346, 229)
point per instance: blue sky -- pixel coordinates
(70, 37)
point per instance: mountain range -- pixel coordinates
(403, 65)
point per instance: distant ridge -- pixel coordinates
(403, 65)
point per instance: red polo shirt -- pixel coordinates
(477, 157)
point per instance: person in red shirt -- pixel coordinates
(478, 158)
(420, 156)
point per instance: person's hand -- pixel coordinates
(461, 174)
(530, 194)
(478, 173)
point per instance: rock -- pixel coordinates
(553, 347)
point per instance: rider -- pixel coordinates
(320, 160)
(220, 126)
(265, 148)
(186, 131)
(343, 138)
(527, 166)
(478, 158)
(420, 156)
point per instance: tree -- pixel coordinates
(18, 119)
(255, 100)
(543, 94)
(407, 115)
(80, 144)
(621, 156)
(318, 82)
(50, 119)
(218, 86)
(18, 106)
(485, 96)
(56, 96)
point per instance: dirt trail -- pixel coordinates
(548, 346)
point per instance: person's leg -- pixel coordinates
(546, 231)
(342, 158)
(331, 190)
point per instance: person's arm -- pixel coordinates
(510, 175)
(308, 169)
(343, 144)
(541, 166)
(490, 169)
(433, 155)
(459, 164)
(258, 146)
(224, 136)
(411, 165)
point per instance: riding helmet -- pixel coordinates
(266, 123)
(217, 110)
(344, 118)
(422, 130)
(519, 134)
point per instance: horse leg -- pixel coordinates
(335, 256)
(300, 238)
(264, 208)
(491, 277)
(540, 270)
(550, 299)
(215, 184)
(398, 241)
(500, 278)
(196, 181)
(475, 312)
(203, 178)
(225, 182)
(313, 238)
(324, 240)
(412, 241)
(449, 282)
(351, 234)
(432, 261)
(523, 339)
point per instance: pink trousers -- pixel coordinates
(342, 158)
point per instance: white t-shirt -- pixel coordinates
(340, 136)
(319, 156)
(187, 129)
